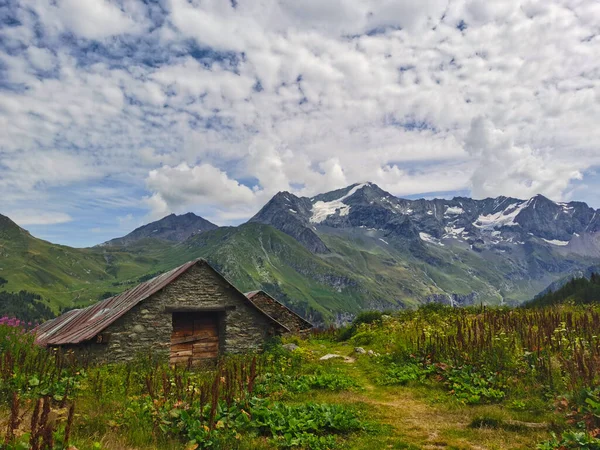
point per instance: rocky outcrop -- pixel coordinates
(290, 214)
(171, 228)
(453, 299)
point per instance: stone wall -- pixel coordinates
(279, 312)
(147, 327)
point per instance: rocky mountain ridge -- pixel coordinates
(171, 228)
(335, 254)
(488, 224)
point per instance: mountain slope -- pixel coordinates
(556, 285)
(256, 256)
(509, 248)
(289, 214)
(63, 276)
(171, 228)
(334, 254)
(577, 290)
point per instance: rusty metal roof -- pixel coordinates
(79, 325)
(250, 295)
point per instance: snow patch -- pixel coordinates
(452, 232)
(321, 210)
(454, 210)
(293, 211)
(556, 242)
(384, 241)
(429, 238)
(504, 218)
(565, 207)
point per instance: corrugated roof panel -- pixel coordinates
(250, 296)
(81, 325)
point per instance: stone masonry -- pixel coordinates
(147, 326)
(279, 312)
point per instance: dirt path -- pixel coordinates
(424, 419)
(412, 419)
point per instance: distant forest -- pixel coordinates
(24, 305)
(578, 291)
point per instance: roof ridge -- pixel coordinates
(120, 304)
(76, 326)
(253, 293)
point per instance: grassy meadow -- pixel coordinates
(436, 377)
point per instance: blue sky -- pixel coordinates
(114, 113)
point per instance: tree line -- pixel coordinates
(25, 306)
(578, 290)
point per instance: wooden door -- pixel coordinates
(195, 338)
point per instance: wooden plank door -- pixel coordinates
(195, 338)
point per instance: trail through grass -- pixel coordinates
(422, 416)
(428, 379)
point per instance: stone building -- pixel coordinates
(285, 316)
(190, 314)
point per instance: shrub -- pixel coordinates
(571, 440)
(363, 338)
(330, 381)
(365, 317)
(472, 387)
(402, 374)
(280, 420)
(32, 371)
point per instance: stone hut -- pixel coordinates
(279, 312)
(191, 314)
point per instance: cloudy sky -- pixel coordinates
(117, 112)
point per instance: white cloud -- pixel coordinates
(27, 171)
(521, 172)
(24, 217)
(91, 19)
(41, 58)
(181, 187)
(296, 96)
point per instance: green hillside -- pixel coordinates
(361, 271)
(255, 255)
(578, 291)
(64, 276)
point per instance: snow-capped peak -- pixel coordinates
(504, 218)
(454, 210)
(321, 210)
(556, 242)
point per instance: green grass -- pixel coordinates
(300, 401)
(360, 273)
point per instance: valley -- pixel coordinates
(332, 255)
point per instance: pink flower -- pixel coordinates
(12, 322)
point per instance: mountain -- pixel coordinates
(335, 254)
(491, 223)
(64, 276)
(291, 214)
(171, 228)
(513, 247)
(577, 290)
(582, 273)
